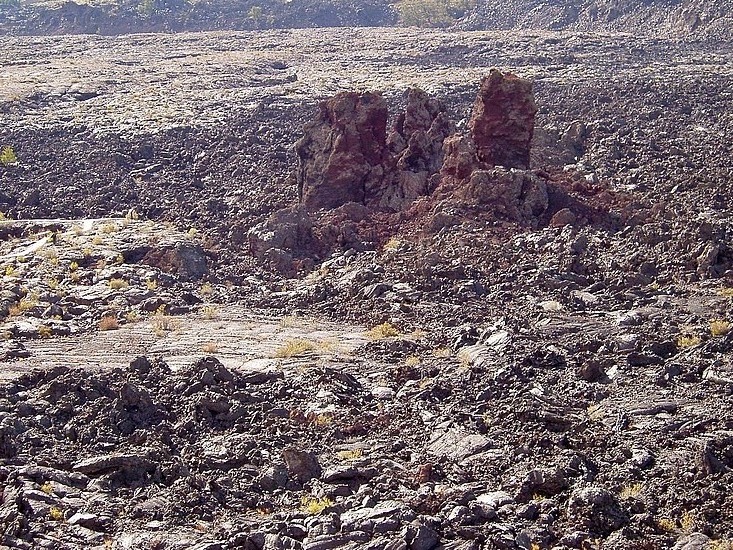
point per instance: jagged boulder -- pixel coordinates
(502, 122)
(416, 141)
(343, 155)
(489, 167)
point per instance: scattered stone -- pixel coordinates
(302, 465)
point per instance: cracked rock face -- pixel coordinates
(347, 160)
(342, 156)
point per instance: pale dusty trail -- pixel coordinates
(239, 339)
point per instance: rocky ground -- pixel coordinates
(436, 372)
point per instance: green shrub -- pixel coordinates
(8, 156)
(432, 13)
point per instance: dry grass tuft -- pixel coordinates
(442, 353)
(163, 323)
(688, 341)
(210, 312)
(354, 454)
(392, 244)
(385, 330)
(289, 321)
(118, 284)
(631, 491)
(293, 348)
(210, 347)
(720, 327)
(313, 506)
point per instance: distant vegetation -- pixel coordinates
(432, 13)
(123, 16)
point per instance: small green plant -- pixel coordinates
(432, 13)
(8, 156)
(294, 348)
(385, 330)
(313, 506)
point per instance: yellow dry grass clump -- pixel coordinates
(293, 348)
(385, 330)
(118, 284)
(313, 506)
(688, 341)
(720, 327)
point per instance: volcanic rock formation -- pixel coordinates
(502, 122)
(346, 156)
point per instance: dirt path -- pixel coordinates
(239, 339)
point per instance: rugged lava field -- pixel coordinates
(203, 348)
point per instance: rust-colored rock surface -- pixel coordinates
(346, 157)
(342, 156)
(502, 122)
